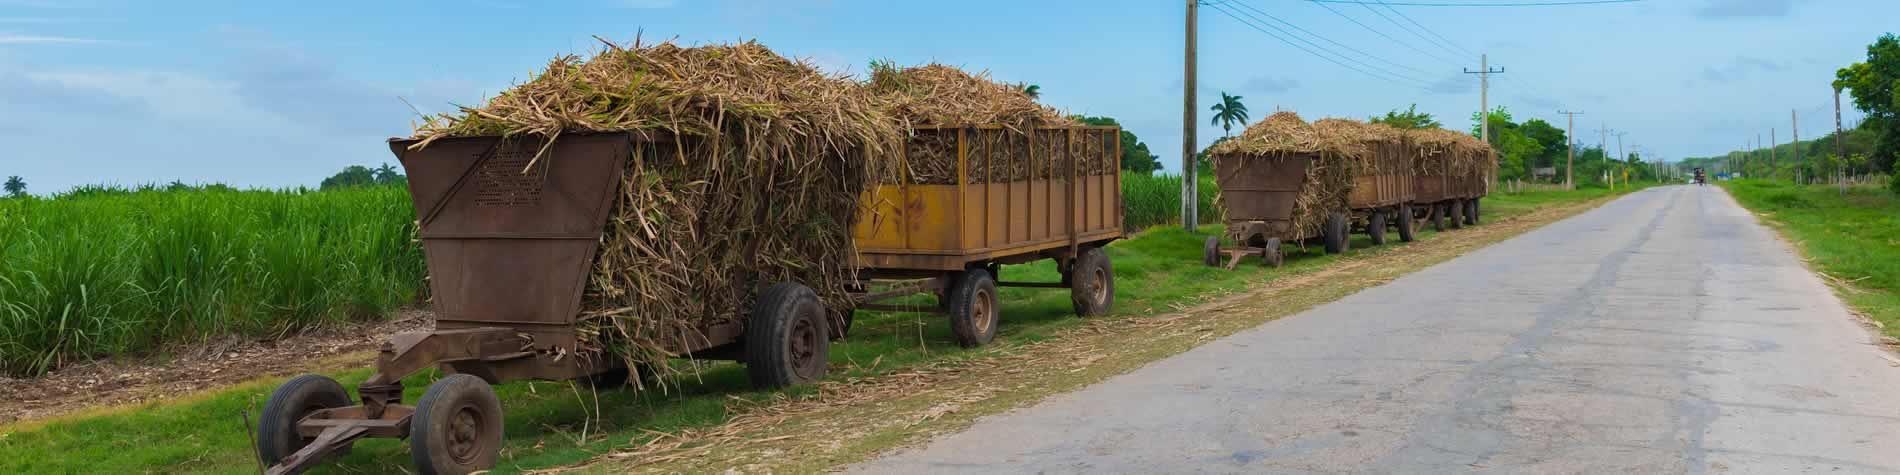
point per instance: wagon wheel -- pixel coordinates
(457, 427)
(1456, 213)
(1093, 290)
(973, 308)
(1337, 242)
(1471, 215)
(1272, 256)
(1406, 222)
(787, 341)
(1210, 253)
(1375, 227)
(277, 435)
(1437, 217)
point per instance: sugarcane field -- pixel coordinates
(659, 236)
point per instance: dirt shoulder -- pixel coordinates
(847, 421)
(195, 368)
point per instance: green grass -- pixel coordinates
(104, 272)
(1855, 237)
(1155, 271)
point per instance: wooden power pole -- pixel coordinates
(1570, 161)
(1484, 73)
(1190, 178)
(1772, 142)
(1840, 148)
(1794, 133)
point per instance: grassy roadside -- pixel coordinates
(898, 364)
(1853, 240)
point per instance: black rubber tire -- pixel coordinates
(1375, 227)
(973, 308)
(1210, 252)
(457, 427)
(1456, 213)
(1406, 223)
(1337, 241)
(786, 339)
(1272, 257)
(277, 436)
(1472, 212)
(1092, 287)
(1437, 217)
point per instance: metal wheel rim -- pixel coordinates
(982, 311)
(464, 435)
(804, 348)
(1098, 287)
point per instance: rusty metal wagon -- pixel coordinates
(1382, 188)
(509, 248)
(1453, 175)
(1283, 181)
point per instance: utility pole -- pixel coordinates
(1772, 142)
(1755, 153)
(1840, 148)
(1190, 195)
(1619, 146)
(1484, 73)
(1794, 132)
(1571, 136)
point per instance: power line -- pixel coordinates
(1510, 4)
(1223, 10)
(1376, 31)
(1402, 26)
(1423, 27)
(1328, 40)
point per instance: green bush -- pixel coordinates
(1893, 183)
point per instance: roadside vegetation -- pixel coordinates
(103, 271)
(1852, 238)
(552, 424)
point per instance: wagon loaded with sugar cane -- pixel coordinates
(660, 202)
(1382, 189)
(1282, 181)
(1453, 173)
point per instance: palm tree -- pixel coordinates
(1033, 91)
(1229, 112)
(16, 186)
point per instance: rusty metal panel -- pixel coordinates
(1019, 211)
(510, 243)
(1257, 189)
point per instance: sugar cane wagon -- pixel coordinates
(1452, 175)
(1382, 190)
(1280, 182)
(1011, 198)
(595, 241)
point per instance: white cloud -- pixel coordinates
(20, 39)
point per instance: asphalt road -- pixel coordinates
(1665, 332)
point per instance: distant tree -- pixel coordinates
(1033, 91)
(1549, 137)
(1410, 119)
(1500, 120)
(387, 175)
(351, 176)
(1875, 85)
(1229, 112)
(1135, 155)
(16, 186)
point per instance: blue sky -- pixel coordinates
(284, 93)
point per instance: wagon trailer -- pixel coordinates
(1016, 197)
(510, 239)
(1382, 190)
(1453, 172)
(1281, 181)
